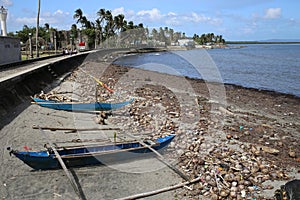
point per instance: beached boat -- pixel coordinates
(96, 106)
(76, 156)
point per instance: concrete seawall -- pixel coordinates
(15, 92)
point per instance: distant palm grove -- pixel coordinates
(106, 31)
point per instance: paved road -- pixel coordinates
(12, 72)
(8, 73)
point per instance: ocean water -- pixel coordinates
(274, 67)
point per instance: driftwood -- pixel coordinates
(160, 158)
(147, 194)
(72, 129)
(61, 162)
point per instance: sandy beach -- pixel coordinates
(214, 124)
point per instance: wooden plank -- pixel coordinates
(72, 129)
(161, 158)
(147, 194)
(69, 175)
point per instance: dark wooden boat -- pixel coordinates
(76, 156)
(96, 106)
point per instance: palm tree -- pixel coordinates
(37, 28)
(211, 37)
(177, 36)
(101, 14)
(130, 25)
(74, 30)
(203, 39)
(98, 30)
(47, 35)
(47, 26)
(86, 23)
(119, 26)
(154, 34)
(78, 15)
(109, 23)
(119, 23)
(171, 33)
(99, 22)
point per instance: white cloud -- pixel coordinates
(129, 14)
(56, 19)
(197, 18)
(172, 19)
(171, 14)
(118, 11)
(6, 3)
(272, 13)
(58, 12)
(26, 20)
(155, 18)
(152, 15)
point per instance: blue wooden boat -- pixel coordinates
(97, 106)
(76, 156)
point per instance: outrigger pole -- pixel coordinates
(160, 157)
(61, 162)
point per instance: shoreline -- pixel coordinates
(185, 49)
(162, 105)
(271, 92)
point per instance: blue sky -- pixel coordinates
(233, 19)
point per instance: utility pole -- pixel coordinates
(37, 29)
(30, 45)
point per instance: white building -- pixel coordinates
(10, 50)
(3, 15)
(186, 42)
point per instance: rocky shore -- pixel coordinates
(243, 148)
(243, 143)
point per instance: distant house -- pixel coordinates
(10, 50)
(81, 46)
(186, 42)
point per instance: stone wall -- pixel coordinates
(10, 50)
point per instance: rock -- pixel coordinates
(233, 194)
(172, 144)
(234, 188)
(180, 152)
(266, 126)
(292, 154)
(243, 193)
(229, 136)
(236, 137)
(225, 111)
(234, 184)
(269, 150)
(224, 193)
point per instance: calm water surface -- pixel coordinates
(271, 67)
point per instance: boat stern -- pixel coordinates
(37, 160)
(167, 138)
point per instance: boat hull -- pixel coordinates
(97, 106)
(93, 155)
